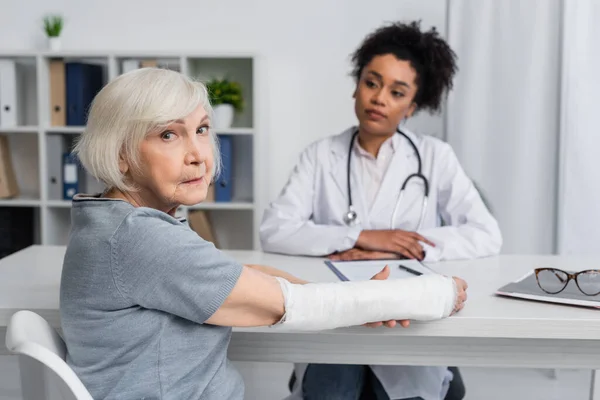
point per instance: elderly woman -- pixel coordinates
(147, 306)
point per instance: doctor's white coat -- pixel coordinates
(308, 219)
(308, 216)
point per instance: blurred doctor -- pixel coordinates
(355, 195)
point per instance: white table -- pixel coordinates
(491, 331)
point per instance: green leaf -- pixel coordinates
(53, 25)
(224, 91)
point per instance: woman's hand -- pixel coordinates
(395, 241)
(380, 276)
(360, 254)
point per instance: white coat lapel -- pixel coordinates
(403, 164)
(339, 174)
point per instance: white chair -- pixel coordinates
(41, 354)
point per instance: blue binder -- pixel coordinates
(70, 176)
(83, 82)
(223, 184)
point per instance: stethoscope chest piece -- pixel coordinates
(351, 217)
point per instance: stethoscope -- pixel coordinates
(351, 217)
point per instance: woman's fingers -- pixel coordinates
(389, 324)
(382, 275)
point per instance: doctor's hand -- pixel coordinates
(380, 276)
(396, 241)
(360, 254)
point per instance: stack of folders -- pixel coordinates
(73, 86)
(10, 116)
(66, 175)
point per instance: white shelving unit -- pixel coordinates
(235, 223)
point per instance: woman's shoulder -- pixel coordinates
(98, 212)
(145, 221)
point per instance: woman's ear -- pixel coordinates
(123, 165)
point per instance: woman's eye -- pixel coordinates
(168, 135)
(203, 130)
(370, 84)
(397, 94)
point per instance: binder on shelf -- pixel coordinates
(70, 176)
(55, 149)
(8, 94)
(148, 63)
(58, 96)
(8, 181)
(223, 184)
(84, 81)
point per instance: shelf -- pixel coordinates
(19, 129)
(223, 206)
(21, 201)
(65, 129)
(59, 203)
(235, 131)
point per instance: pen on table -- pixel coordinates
(412, 271)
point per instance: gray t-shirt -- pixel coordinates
(137, 286)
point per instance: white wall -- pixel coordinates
(304, 48)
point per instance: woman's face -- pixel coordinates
(176, 163)
(384, 94)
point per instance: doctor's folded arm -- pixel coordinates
(378, 190)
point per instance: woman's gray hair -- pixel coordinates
(130, 107)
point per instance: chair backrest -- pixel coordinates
(30, 335)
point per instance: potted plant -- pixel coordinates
(226, 98)
(53, 25)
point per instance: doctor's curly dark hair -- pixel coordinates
(431, 57)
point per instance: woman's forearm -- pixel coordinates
(333, 305)
(261, 299)
(277, 273)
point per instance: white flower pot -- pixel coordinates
(54, 43)
(223, 117)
